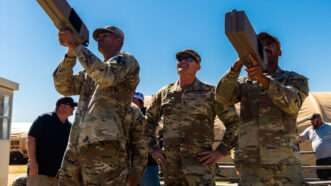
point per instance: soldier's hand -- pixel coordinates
(210, 157)
(237, 65)
(66, 38)
(33, 168)
(254, 73)
(158, 157)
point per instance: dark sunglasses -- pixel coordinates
(187, 58)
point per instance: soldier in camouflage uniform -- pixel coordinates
(270, 101)
(105, 121)
(188, 109)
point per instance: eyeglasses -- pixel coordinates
(186, 58)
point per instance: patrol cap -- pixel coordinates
(266, 36)
(66, 101)
(316, 115)
(189, 52)
(139, 96)
(111, 29)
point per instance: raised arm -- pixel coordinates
(227, 90)
(289, 96)
(65, 82)
(110, 73)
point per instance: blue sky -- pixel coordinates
(154, 31)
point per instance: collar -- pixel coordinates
(196, 85)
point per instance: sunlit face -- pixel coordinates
(187, 66)
(107, 41)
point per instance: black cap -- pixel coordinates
(316, 115)
(66, 101)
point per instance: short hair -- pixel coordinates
(266, 36)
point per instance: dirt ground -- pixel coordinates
(20, 170)
(15, 171)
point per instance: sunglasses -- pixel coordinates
(186, 58)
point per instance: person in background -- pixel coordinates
(319, 133)
(151, 173)
(47, 141)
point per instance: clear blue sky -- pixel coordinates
(154, 31)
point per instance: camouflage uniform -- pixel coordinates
(188, 115)
(20, 181)
(267, 132)
(96, 153)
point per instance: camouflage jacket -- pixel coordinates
(105, 92)
(137, 146)
(268, 117)
(188, 118)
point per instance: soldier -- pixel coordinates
(97, 149)
(20, 181)
(188, 109)
(270, 101)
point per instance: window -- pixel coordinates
(4, 116)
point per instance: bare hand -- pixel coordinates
(159, 157)
(237, 65)
(210, 157)
(132, 180)
(255, 73)
(33, 168)
(66, 38)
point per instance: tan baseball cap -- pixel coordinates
(112, 29)
(189, 52)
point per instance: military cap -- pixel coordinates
(189, 52)
(111, 29)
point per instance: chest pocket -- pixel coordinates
(249, 101)
(199, 103)
(171, 101)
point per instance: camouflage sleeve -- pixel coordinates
(153, 115)
(227, 90)
(107, 74)
(138, 141)
(231, 121)
(65, 82)
(289, 97)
